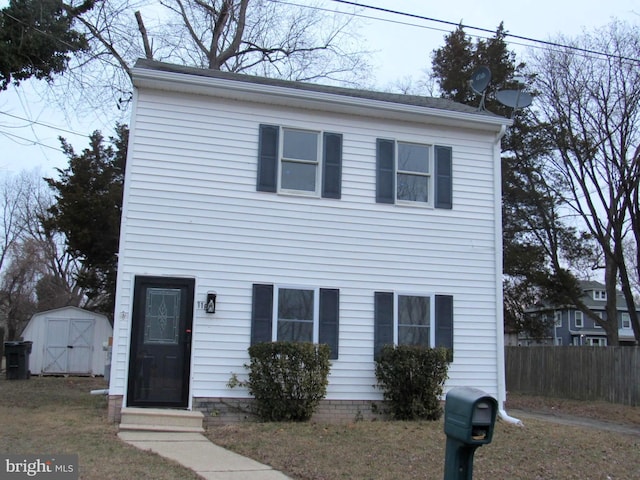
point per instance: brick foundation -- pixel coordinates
(114, 408)
(345, 411)
(224, 411)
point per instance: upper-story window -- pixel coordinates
(297, 161)
(626, 320)
(413, 173)
(600, 316)
(413, 177)
(599, 295)
(558, 318)
(579, 319)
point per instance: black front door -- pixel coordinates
(160, 355)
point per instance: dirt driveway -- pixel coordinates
(576, 421)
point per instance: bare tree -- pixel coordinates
(17, 288)
(591, 104)
(14, 193)
(57, 269)
(262, 37)
(37, 272)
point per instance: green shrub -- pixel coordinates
(412, 379)
(288, 379)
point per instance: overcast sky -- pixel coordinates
(403, 45)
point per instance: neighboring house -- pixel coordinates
(307, 213)
(68, 341)
(573, 327)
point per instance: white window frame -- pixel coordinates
(432, 314)
(599, 295)
(557, 317)
(578, 314)
(602, 342)
(595, 324)
(316, 309)
(429, 174)
(625, 320)
(559, 341)
(317, 162)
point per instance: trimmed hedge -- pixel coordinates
(412, 379)
(288, 379)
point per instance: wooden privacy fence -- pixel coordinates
(610, 374)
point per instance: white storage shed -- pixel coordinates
(68, 340)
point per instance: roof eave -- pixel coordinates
(284, 96)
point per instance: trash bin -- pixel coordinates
(17, 360)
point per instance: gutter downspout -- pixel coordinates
(502, 383)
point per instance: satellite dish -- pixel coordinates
(480, 80)
(514, 98)
(479, 83)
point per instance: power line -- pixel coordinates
(31, 122)
(484, 30)
(29, 141)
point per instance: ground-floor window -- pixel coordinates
(413, 319)
(295, 314)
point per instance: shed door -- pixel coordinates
(160, 352)
(68, 345)
(80, 346)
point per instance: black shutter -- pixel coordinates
(443, 177)
(330, 319)
(261, 313)
(444, 321)
(385, 174)
(383, 321)
(332, 165)
(268, 158)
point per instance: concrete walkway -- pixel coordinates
(196, 452)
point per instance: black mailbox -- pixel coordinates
(469, 418)
(469, 415)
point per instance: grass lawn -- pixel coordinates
(415, 450)
(51, 415)
(56, 415)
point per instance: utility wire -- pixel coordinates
(486, 30)
(42, 124)
(30, 141)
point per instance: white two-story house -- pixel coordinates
(261, 210)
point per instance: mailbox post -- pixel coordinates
(469, 418)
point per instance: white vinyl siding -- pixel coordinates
(191, 209)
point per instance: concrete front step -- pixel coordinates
(161, 420)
